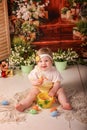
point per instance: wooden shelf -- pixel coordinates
(58, 35)
(54, 45)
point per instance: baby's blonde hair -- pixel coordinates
(44, 50)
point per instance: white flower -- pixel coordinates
(65, 55)
(22, 54)
(28, 11)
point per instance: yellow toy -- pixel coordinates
(44, 100)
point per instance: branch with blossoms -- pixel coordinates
(27, 18)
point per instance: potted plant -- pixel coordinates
(62, 57)
(22, 54)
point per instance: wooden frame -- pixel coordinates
(4, 31)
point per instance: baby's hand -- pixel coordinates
(41, 79)
(51, 94)
(37, 82)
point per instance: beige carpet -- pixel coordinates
(78, 100)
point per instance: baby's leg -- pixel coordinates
(63, 99)
(27, 102)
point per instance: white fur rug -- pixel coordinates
(78, 100)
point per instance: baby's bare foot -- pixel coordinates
(20, 107)
(67, 106)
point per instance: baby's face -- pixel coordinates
(44, 63)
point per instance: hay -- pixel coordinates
(8, 113)
(78, 100)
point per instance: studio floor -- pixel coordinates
(74, 77)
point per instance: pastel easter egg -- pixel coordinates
(33, 111)
(5, 102)
(35, 108)
(54, 113)
(53, 109)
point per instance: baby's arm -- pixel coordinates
(54, 89)
(34, 78)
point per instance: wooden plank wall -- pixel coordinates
(4, 31)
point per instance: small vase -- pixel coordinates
(61, 65)
(26, 69)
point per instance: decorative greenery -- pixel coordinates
(71, 2)
(65, 55)
(80, 1)
(64, 10)
(30, 31)
(82, 27)
(84, 44)
(22, 53)
(84, 49)
(26, 17)
(76, 1)
(83, 11)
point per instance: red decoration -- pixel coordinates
(3, 74)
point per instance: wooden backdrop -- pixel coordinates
(4, 31)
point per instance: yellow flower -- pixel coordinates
(37, 58)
